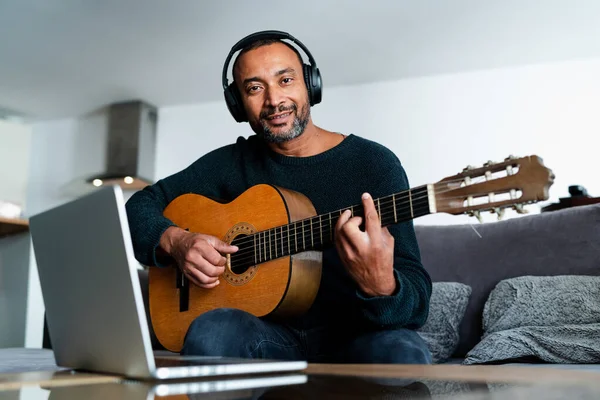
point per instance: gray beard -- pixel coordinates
(297, 129)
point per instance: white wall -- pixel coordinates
(438, 125)
(15, 140)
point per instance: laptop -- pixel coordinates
(94, 306)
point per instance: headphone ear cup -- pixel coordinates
(234, 103)
(307, 74)
(317, 90)
(312, 78)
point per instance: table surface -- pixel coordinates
(331, 381)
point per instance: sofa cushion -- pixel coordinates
(447, 308)
(565, 242)
(553, 319)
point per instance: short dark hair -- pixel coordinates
(260, 43)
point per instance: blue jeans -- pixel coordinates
(235, 333)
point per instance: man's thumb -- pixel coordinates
(224, 247)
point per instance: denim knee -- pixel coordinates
(405, 347)
(220, 332)
(402, 346)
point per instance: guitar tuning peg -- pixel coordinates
(519, 209)
(499, 211)
(510, 157)
(489, 163)
(476, 214)
(468, 168)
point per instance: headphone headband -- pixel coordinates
(263, 35)
(311, 74)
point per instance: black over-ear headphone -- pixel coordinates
(312, 76)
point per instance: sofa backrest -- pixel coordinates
(565, 242)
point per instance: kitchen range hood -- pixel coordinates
(131, 146)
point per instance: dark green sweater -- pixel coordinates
(332, 180)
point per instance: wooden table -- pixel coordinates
(459, 373)
(53, 379)
(335, 381)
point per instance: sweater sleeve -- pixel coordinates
(145, 215)
(145, 207)
(408, 306)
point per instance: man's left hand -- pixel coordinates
(368, 255)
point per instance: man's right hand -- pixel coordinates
(200, 257)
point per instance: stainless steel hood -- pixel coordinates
(131, 146)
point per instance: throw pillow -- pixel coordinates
(545, 318)
(446, 310)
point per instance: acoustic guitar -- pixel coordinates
(277, 269)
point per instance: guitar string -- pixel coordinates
(272, 238)
(249, 252)
(400, 200)
(250, 259)
(273, 242)
(334, 214)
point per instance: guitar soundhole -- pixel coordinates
(240, 265)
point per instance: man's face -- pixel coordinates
(273, 91)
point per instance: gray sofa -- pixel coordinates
(565, 242)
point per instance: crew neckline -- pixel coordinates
(327, 154)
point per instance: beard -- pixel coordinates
(296, 130)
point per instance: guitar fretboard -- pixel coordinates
(316, 233)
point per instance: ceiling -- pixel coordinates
(67, 57)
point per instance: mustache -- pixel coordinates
(274, 110)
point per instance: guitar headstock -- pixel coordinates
(494, 187)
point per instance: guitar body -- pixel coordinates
(284, 286)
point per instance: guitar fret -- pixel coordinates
(288, 235)
(321, 229)
(275, 232)
(312, 242)
(270, 251)
(412, 215)
(282, 252)
(394, 201)
(303, 240)
(254, 236)
(330, 229)
(352, 210)
(265, 244)
(259, 253)
(296, 235)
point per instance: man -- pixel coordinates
(374, 291)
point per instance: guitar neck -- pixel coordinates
(317, 232)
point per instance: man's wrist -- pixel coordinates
(168, 238)
(386, 288)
